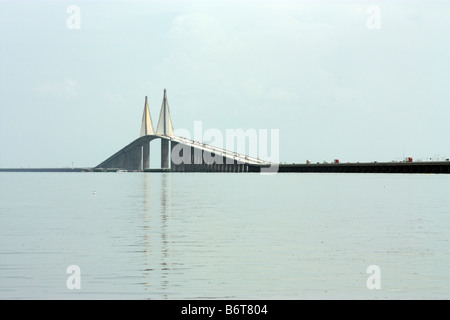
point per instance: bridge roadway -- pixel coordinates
(180, 154)
(136, 157)
(202, 158)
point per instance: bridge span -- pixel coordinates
(178, 154)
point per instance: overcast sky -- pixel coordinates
(354, 80)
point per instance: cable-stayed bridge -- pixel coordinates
(178, 154)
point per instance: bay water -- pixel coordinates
(224, 236)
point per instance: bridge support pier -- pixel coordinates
(127, 160)
(165, 154)
(146, 155)
(133, 158)
(138, 158)
(173, 166)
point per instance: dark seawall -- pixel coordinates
(374, 167)
(442, 167)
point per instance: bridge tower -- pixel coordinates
(147, 126)
(146, 130)
(165, 128)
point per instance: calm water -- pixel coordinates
(224, 236)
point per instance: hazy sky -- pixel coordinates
(339, 79)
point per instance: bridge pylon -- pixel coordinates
(147, 126)
(165, 128)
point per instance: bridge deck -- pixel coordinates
(132, 158)
(220, 151)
